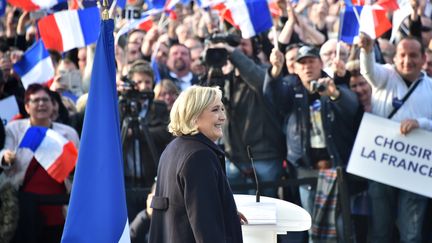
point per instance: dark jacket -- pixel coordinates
(251, 121)
(193, 201)
(153, 136)
(290, 98)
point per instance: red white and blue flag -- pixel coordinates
(65, 30)
(34, 5)
(54, 153)
(208, 3)
(145, 23)
(35, 66)
(252, 17)
(369, 19)
(374, 21)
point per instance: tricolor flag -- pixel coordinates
(65, 30)
(374, 21)
(33, 5)
(97, 209)
(370, 19)
(208, 3)
(144, 23)
(35, 66)
(54, 153)
(252, 17)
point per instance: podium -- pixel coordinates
(288, 217)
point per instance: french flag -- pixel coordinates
(208, 3)
(374, 21)
(252, 17)
(54, 153)
(33, 5)
(35, 66)
(369, 19)
(65, 30)
(144, 23)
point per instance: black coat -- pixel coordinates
(193, 200)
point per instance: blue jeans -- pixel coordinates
(390, 203)
(267, 170)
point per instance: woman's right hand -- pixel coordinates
(9, 157)
(243, 219)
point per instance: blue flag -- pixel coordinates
(97, 210)
(2, 7)
(350, 24)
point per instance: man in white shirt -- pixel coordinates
(390, 83)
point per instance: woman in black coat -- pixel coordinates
(193, 201)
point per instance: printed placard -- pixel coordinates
(381, 153)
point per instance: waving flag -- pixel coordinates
(35, 66)
(97, 210)
(208, 3)
(350, 26)
(250, 16)
(33, 5)
(54, 153)
(144, 23)
(370, 19)
(374, 21)
(65, 30)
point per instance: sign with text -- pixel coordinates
(381, 153)
(8, 109)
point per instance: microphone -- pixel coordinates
(258, 193)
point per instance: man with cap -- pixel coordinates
(319, 115)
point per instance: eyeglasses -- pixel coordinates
(39, 100)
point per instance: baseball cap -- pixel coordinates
(307, 51)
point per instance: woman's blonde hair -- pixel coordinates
(188, 106)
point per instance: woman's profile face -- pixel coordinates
(210, 121)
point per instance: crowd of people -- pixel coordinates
(293, 107)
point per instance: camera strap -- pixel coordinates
(406, 96)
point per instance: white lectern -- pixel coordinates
(289, 217)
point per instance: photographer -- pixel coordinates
(251, 122)
(144, 132)
(319, 119)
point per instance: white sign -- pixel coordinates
(381, 153)
(8, 109)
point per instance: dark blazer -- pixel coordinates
(193, 200)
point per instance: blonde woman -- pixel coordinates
(193, 201)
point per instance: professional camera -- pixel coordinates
(230, 39)
(130, 99)
(317, 87)
(215, 57)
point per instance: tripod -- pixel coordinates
(135, 135)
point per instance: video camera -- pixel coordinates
(217, 57)
(317, 87)
(130, 98)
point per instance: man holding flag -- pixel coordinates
(97, 210)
